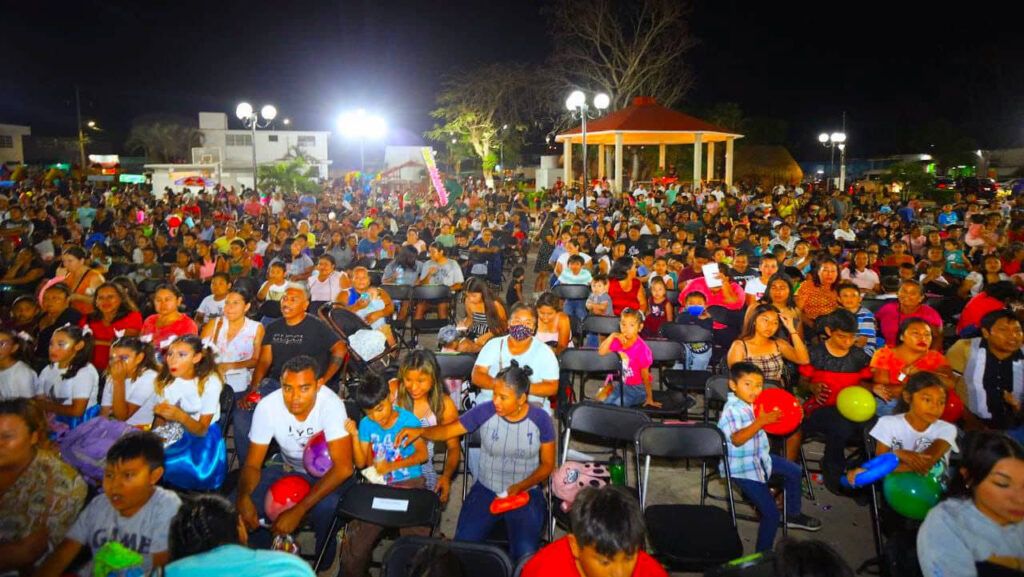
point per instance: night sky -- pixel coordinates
(890, 67)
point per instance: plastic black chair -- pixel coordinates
(874, 304)
(584, 363)
(687, 537)
(397, 293)
(271, 309)
(432, 294)
(682, 333)
(476, 558)
(601, 325)
(674, 403)
(458, 366)
(672, 296)
(571, 291)
(117, 269)
(251, 285)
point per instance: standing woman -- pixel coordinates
(114, 316)
(758, 344)
(81, 279)
(817, 295)
(237, 339)
(625, 289)
(167, 323)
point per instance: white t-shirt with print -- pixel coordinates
(271, 420)
(139, 392)
(184, 393)
(211, 307)
(896, 433)
(84, 385)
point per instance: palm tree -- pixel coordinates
(290, 175)
(164, 141)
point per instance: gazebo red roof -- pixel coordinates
(645, 121)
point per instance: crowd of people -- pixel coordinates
(150, 334)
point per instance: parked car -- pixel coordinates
(945, 183)
(981, 187)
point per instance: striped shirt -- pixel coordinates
(866, 328)
(752, 459)
(509, 452)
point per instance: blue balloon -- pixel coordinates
(874, 470)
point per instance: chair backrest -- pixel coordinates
(398, 292)
(681, 333)
(873, 304)
(341, 320)
(588, 361)
(458, 366)
(250, 284)
(571, 291)
(602, 325)
(149, 286)
(606, 421)
(717, 388)
(664, 351)
(227, 405)
(271, 309)
(672, 296)
(432, 292)
(391, 507)
(476, 558)
(352, 410)
(194, 287)
(689, 441)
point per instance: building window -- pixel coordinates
(272, 137)
(307, 141)
(6, 141)
(238, 139)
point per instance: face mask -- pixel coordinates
(695, 310)
(519, 332)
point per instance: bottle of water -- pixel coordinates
(617, 470)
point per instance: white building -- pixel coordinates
(12, 150)
(226, 154)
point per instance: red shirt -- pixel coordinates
(556, 560)
(104, 332)
(622, 298)
(182, 326)
(976, 309)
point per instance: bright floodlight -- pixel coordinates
(243, 110)
(287, 121)
(823, 138)
(359, 124)
(575, 100)
(837, 137)
(269, 112)
(842, 146)
(91, 124)
(601, 101)
(375, 127)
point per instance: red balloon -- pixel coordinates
(954, 407)
(284, 494)
(792, 414)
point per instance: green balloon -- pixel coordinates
(856, 404)
(910, 494)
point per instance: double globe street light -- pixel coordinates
(251, 120)
(577, 105)
(836, 139)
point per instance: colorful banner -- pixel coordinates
(435, 176)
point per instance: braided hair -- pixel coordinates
(203, 522)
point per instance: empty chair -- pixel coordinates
(583, 363)
(432, 294)
(475, 558)
(674, 402)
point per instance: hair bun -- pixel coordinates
(527, 370)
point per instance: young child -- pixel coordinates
(132, 510)
(661, 271)
(916, 433)
(187, 392)
(131, 377)
(575, 274)
(375, 450)
(646, 268)
(70, 384)
(599, 302)
(980, 237)
(149, 268)
(750, 460)
(515, 288)
(606, 538)
(850, 299)
(661, 309)
(956, 262)
(697, 355)
(17, 379)
(182, 268)
(213, 305)
(635, 389)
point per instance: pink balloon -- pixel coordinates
(316, 458)
(284, 494)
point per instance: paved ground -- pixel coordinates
(846, 526)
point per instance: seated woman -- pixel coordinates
(207, 537)
(910, 353)
(982, 524)
(188, 393)
(40, 495)
(625, 288)
(113, 315)
(486, 317)
(403, 271)
(80, 279)
(517, 456)
(817, 295)
(57, 312)
(779, 293)
(238, 341)
(167, 323)
(553, 325)
(25, 272)
(760, 345)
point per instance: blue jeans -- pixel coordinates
(575, 308)
(1017, 434)
(886, 408)
(697, 361)
(524, 525)
(634, 396)
(319, 517)
(241, 420)
(759, 495)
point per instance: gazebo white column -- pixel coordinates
(567, 153)
(698, 149)
(618, 161)
(711, 161)
(661, 156)
(600, 161)
(728, 159)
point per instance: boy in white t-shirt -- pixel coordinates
(292, 416)
(213, 305)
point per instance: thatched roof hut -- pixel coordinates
(766, 165)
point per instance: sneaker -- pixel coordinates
(803, 522)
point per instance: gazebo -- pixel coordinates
(645, 122)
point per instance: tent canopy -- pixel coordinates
(647, 122)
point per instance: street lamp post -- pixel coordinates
(362, 125)
(577, 105)
(251, 120)
(831, 141)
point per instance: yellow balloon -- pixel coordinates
(856, 404)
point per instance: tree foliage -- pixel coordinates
(293, 174)
(911, 177)
(164, 141)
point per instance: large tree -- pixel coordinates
(164, 140)
(626, 49)
(483, 108)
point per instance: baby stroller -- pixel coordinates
(365, 353)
